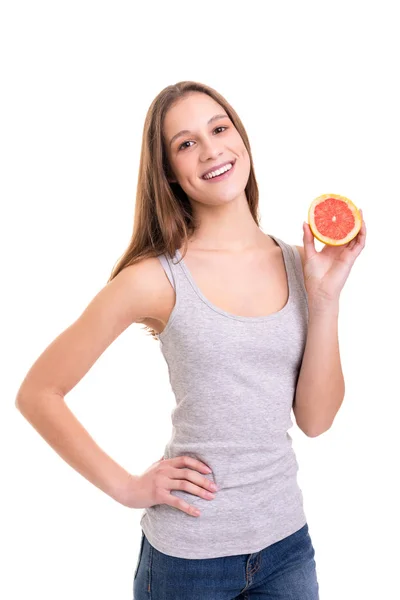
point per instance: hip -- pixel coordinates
(287, 564)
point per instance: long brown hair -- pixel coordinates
(164, 219)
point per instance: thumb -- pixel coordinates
(308, 241)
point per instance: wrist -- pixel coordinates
(120, 489)
(318, 306)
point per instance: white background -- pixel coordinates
(316, 86)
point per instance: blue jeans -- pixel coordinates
(285, 570)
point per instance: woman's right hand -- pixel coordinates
(179, 473)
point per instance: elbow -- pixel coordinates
(23, 406)
(22, 399)
(27, 402)
(30, 399)
(316, 430)
(313, 427)
(18, 403)
(313, 433)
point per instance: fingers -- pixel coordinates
(188, 475)
(183, 506)
(359, 240)
(188, 461)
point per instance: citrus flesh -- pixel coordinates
(334, 219)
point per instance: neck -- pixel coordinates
(228, 227)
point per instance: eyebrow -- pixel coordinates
(184, 131)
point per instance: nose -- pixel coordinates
(210, 150)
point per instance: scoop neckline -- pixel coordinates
(230, 315)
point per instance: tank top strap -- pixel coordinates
(166, 264)
(173, 271)
(293, 262)
(299, 271)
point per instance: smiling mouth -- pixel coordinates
(222, 175)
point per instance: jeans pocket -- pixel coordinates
(140, 556)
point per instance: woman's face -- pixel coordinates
(205, 145)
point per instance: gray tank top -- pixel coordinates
(234, 380)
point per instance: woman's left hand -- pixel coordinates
(326, 272)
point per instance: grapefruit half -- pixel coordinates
(333, 219)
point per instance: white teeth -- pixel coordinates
(219, 172)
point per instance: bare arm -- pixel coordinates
(128, 298)
(56, 423)
(320, 387)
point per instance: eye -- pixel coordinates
(220, 127)
(183, 147)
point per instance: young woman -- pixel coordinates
(248, 326)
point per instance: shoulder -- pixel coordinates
(132, 294)
(299, 248)
(145, 288)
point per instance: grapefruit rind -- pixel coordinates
(328, 240)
